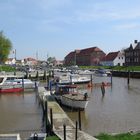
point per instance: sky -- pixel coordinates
(53, 28)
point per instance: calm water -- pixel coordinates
(118, 111)
(20, 113)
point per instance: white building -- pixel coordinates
(10, 61)
(113, 59)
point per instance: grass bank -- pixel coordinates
(7, 68)
(52, 138)
(119, 68)
(125, 136)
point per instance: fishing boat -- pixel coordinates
(12, 83)
(69, 96)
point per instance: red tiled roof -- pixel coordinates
(110, 57)
(90, 50)
(71, 54)
(84, 52)
(30, 59)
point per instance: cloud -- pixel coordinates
(108, 11)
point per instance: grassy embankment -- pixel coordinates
(52, 138)
(119, 68)
(125, 136)
(7, 68)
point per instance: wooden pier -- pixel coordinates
(63, 127)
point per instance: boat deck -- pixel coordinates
(78, 97)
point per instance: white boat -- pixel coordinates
(68, 96)
(12, 80)
(101, 73)
(73, 79)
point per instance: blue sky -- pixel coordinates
(56, 27)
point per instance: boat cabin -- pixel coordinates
(66, 89)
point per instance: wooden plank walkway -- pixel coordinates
(60, 118)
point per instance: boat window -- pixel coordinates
(1, 79)
(10, 78)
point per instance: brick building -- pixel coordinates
(132, 54)
(85, 57)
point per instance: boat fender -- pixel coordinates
(90, 85)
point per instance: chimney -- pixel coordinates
(135, 41)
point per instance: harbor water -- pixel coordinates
(115, 112)
(20, 113)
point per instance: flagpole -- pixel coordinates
(15, 54)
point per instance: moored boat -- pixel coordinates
(73, 79)
(10, 89)
(12, 83)
(16, 81)
(68, 96)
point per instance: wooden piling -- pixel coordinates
(103, 88)
(76, 130)
(23, 83)
(91, 78)
(111, 79)
(79, 118)
(37, 76)
(64, 127)
(128, 77)
(51, 117)
(46, 116)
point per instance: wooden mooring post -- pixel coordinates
(76, 125)
(79, 118)
(23, 83)
(51, 118)
(64, 127)
(128, 78)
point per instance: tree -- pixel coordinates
(5, 47)
(51, 60)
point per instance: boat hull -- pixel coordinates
(74, 104)
(11, 90)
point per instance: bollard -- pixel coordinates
(64, 126)
(76, 130)
(79, 118)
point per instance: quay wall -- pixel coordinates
(133, 74)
